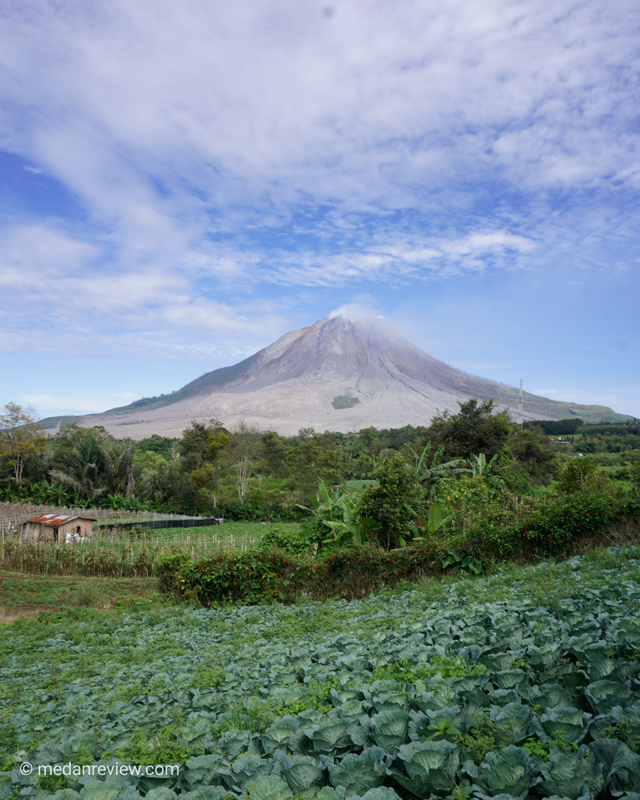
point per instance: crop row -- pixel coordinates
(395, 695)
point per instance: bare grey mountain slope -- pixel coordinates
(339, 375)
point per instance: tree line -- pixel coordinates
(246, 472)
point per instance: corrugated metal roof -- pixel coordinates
(56, 519)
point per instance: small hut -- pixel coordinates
(56, 528)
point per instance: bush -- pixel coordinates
(554, 528)
(471, 499)
(257, 507)
(270, 576)
(295, 543)
(583, 475)
(390, 503)
(352, 572)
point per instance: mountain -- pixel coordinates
(338, 375)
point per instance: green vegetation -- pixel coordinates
(447, 690)
(345, 400)
(20, 593)
(247, 475)
(134, 552)
(472, 486)
(375, 624)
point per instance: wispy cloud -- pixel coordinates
(79, 403)
(225, 156)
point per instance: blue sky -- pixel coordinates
(182, 183)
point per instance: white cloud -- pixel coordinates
(247, 99)
(78, 404)
(363, 308)
(215, 148)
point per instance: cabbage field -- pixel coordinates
(522, 684)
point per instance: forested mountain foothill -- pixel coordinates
(480, 457)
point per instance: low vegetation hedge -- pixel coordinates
(556, 528)
(256, 508)
(270, 575)
(353, 572)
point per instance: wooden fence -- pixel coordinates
(110, 556)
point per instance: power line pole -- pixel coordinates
(520, 404)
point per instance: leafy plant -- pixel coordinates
(389, 503)
(431, 525)
(462, 560)
(481, 468)
(429, 476)
(456, 689)
(339, 512)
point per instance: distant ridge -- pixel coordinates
(338, 374)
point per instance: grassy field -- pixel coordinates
(242, 533)
(22, 594)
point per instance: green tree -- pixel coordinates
(157, 444)
(313, 459)
(274, 452)
(474, 429)
(118, 458)
(531, 450)
(370, 440)
(20, 438)
(194, 444)
(205, 480)
(79, 461)
(390, 503)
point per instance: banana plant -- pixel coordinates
(41, 492)
(115, 501)
(480, 467)
(431, 525)
(61, 495)
(430, 475)
(338, 511)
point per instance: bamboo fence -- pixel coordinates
(111, 556)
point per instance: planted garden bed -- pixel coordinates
(524, 684)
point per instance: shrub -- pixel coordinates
(354, 571)
(583, 475)
(292, 542)
(271, 576)
(475, 498)
(390, 503)
(554, 528)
